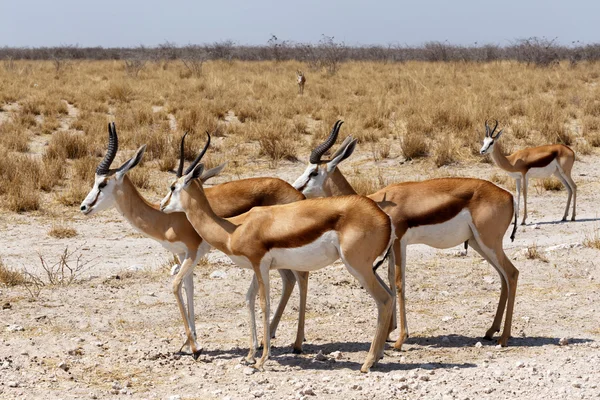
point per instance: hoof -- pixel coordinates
(503, 342)
(196, 354)
(573, 219)
(488, 338)
(296, 350)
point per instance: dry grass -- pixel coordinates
(592, 240)
(10, 277)
(62, 231)
(533, 253)
(420, 111)
(550, 184)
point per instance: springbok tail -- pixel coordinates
(512, 236)
(381, 259)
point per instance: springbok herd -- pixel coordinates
(266, 223)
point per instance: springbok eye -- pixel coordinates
(172, 188)
(313, 174)
(102, 185)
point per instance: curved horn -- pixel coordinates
(487, 129)
(181, 149)
(111, 153)
(493, 130)
(317, 153)
(197, 159)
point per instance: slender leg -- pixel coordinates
(302, 279)
(380, 293)
(263, 291)
(560, 176)
(518, 187)
(188, 284)
(392, 287)
(512, 276)
(289, 280)
(187, 268)
(525, 184)
(574, 189)
(251, 302)
(503, 293)
(400, 256)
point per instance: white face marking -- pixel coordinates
(101, 197)
(312, 182)
(488, 145)
(445, 235)
(172, 201)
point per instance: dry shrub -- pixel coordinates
(277, 141)
(14, 137)
(61, 231)
(592, 108)
(592, 240)
(53, 171)
(140, 177)
(414, 145)
(594, 139)
(419, 126)
(364, 185)
(50, 125)
(31, 107)
(533, 253)
(550, 184)
(446, 153)
(74, 193)
(556, 132)
(10, 277)
(300, 126)
(84, 168)
(23, 198)
(584, 148)
(121, 91)
(68, 145)
(20, 176)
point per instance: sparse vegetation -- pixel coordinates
(592, 240)
(62, 231)
(533, 253)
(9, 276)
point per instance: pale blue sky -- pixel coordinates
(134, 22)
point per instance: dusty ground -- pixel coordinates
(116, 337)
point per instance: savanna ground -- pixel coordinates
(110, 328)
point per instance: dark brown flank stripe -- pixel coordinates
(544, 161)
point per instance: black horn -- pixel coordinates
(494, 130)
(181, 149)
(487, 129)
(317, 153)
(113, 146)
(197, 159)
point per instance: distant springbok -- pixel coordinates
(534, 162)
(301, 81)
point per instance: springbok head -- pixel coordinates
(312, 182)
(300, 76)
(488, 140)
(172, 201)
(106, 181)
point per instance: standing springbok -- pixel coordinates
(301, 79)
(441, 213)
(305, 236)
(112, 187)
(534, 162)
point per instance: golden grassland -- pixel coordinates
(53, 126)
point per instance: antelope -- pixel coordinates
(112, 187)
(440, 213)
(304, 236)
(301, 79)
(534, 162)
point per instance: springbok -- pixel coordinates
(306, 236)
(441, 213)
(112, 187)
(534, 162)
(301, 79)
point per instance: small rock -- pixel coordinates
(563, 342)
(218, 275)
(15, 328)
(576, 385)
(478, 345)
(6, 306)
(13, 384)
(249, 371)
(257, 393)
(424, 378)
(337, 355)
(446, 318)
(117, 386)
(63, 365)
(445, 339)
(519, 364)
(356, 387)
(135, 267)
(93, 396)
(175, 397)
(320, 356)
(123, 391)
(24, 353)
(307, 392)
(536, 227)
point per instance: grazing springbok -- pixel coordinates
(301, 79)
(534, 162)
(307, 235)
(441, 213)
(112, 187)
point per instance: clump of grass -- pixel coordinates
(140, 177)
(414, 145)
(364, 185)
(551, 184)
(445, 153)
(73, 194)
(67, 145)
(533, 253)
(23, 198)
(15, 137)
(592, 240)
(61, 231)
(11, 277)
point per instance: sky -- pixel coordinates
(129, 23)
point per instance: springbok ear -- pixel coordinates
(129, 164)
(341, 155)
(212, 172)
(194, 174)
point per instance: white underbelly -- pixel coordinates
(444, 235)
(543, 172)
(310, 257)
(173, 247)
